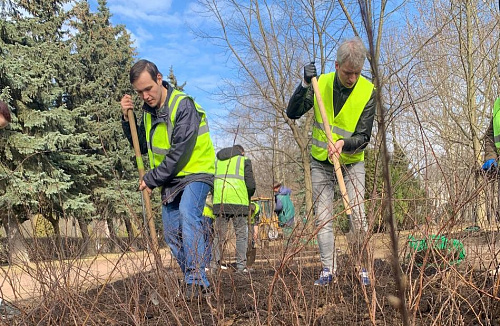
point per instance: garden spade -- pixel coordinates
(145, 195)
(336, 163)
(251, 253)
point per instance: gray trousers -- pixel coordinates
(323, 184)
(240, 225)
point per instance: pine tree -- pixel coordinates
(64, 154)
(172, 80)
(42, 140)
(102, 56)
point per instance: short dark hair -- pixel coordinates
(5, 112)
(240, 148)
(140, 66)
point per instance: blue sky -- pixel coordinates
(161, 32)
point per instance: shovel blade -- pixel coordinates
(251, 253)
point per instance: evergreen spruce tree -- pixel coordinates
(102, 55)
(172, 80)
(65, 152)
(42, 141)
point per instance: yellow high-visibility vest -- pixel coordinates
(229, 183)
(158, 139)
(344, 124)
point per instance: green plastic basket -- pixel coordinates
(452, 249)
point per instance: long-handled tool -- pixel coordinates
(251, 250)
(145, 221)
(336, 163)
(145, 195)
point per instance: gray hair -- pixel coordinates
(353, 51)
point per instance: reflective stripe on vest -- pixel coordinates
(496, 123)
(229, 183)
(159, 133)
(344, 124)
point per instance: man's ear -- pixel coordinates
(159, 78)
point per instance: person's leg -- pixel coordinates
(354, 178)
(220, 239)
(172, 232)
(323, 197)
(240, 224)
(194, 231)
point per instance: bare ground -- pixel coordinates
(279, 291)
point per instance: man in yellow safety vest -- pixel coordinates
(350, 106)
(175, 135)
(234, 185)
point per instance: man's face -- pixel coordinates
(3, 122)
(348, 74)
(148, 89)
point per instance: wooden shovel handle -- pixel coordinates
(145, 195)
(336, 163)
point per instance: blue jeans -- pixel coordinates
(186, 229)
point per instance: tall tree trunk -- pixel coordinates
(84, 229)
(54, 221)
(471, 99)
(130, 232)
(112, 235)
(18, 251)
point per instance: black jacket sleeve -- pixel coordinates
(183, 140)
(141, 134)
(301, 101)
(249, 178)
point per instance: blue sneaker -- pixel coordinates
(325, 277)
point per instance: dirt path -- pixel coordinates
(34, 279)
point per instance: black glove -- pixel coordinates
(309, 72)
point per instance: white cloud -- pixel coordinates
(141, 36)
(142, 16)
(141, 6)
